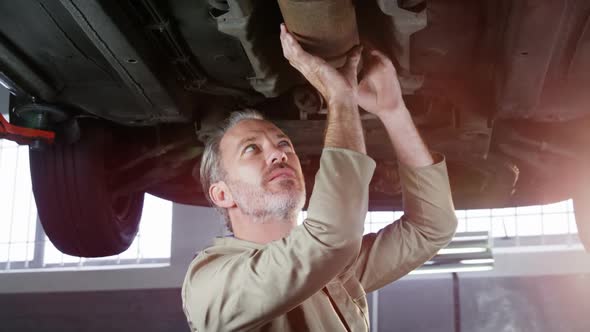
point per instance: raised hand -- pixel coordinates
(335, 85)
(379, 90)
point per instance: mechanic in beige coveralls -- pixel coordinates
(273, 275)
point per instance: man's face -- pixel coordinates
(263, 172)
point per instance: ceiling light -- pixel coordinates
(471, 238)
(467, 252)
(477, 261)
(453, 269)
(447, 251)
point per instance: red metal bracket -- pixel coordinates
(22, 135)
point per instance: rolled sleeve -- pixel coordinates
(428, 224)
(428, 202)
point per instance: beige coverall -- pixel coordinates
(316, 278)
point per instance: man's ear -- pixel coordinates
(220, 195)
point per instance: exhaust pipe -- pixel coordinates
(325, 28)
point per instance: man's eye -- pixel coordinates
(284, 143)
(251, 147)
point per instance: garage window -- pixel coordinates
(24, 245)
(551, 224)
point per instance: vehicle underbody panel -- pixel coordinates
(491, 84)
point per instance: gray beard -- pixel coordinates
(257, 202)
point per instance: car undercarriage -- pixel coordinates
(131, 88)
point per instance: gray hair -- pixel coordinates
(211, 168)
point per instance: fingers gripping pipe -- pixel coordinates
(325, 28)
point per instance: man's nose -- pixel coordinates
(277, 156)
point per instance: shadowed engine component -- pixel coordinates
(236, 21)
(404, 24)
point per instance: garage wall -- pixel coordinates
(527, 304)
(544, 303)
(531, 304)
(192, 229)
(125, 311)
(149, 300)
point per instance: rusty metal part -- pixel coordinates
(404, 24)
(326, 28)
(23, 135)
(148, 157)
(159, 164)
(542, 148)
(386, 179)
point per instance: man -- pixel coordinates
(276, 276)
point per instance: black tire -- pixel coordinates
(79, 213)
